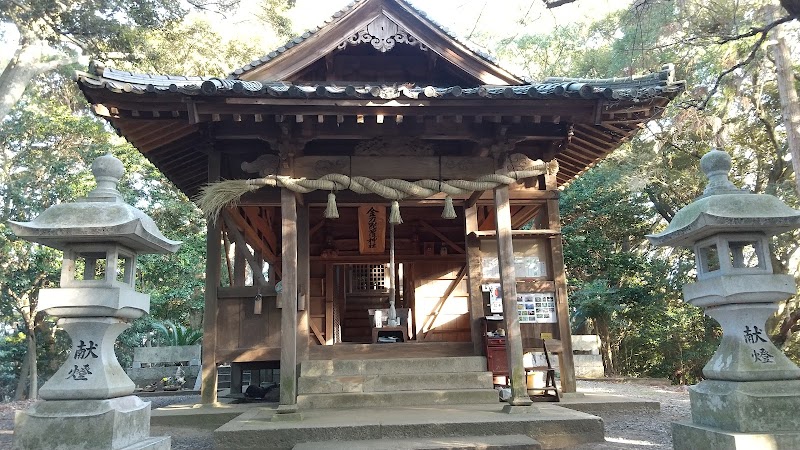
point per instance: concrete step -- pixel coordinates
(348, 367)
(552, 426)
(394, 382)
(506, 442)
(395, 399)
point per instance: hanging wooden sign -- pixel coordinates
(371, 229)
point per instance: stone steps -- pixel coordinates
(508, 442)
(370, 383)
(394, 399)
(349, 367)
(379, 428)
(393, 382)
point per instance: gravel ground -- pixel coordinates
(639, 430)
(632, 431)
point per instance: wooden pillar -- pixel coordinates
(303, 282)
(329, 298)
(474, 278)
(565, 360)
(508, 287)
(208, 387)
(288, 394)
(236, 378)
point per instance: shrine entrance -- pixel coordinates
(377, 115)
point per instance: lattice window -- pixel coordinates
(368, 278)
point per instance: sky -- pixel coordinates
(499, 18)
(465, 17)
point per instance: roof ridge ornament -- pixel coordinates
(383, 33)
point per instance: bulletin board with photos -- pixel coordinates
(536, 307)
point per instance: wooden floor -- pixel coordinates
(397, 350)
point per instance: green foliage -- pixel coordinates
(98, 27)
(176, 334)
(12, 350)
(622, 290)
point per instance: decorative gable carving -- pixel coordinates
(383, 34)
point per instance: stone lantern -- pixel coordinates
(752, 390)
(87, 403)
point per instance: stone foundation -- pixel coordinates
(115, 424)
(747, 407)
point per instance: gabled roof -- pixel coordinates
(382, 23)
(636, 89)
(172, 119)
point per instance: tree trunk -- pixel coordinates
(605, 346)
(33, 384)
(790, 110)
(32, 57)
(19, 393)
(790, 104)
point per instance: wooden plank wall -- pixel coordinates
(246, 336)
(451, 317)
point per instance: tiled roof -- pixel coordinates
(338, 15)
(638, 88)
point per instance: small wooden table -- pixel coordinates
(376, 332)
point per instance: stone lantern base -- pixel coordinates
(121, 423)
(742, 416)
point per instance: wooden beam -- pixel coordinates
(252, 236)
(241, 246)
(377, 167)
(431, 318)
(474, 279)
(562, 305)
(470, 202)
(524, 215)
(262, 225)
(318, 226)
(508, 285)
(329, 298)
(304, 320)
(208, 389)
(444, 238)
(288, 388)
(227, 243)
(317, 332)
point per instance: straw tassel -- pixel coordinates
(449, 212)
(394, 215)
(331, 212)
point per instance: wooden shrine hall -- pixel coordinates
(386, 159)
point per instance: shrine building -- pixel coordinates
(443, 168)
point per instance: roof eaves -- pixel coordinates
(336, 17)
(640, 89)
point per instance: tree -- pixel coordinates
(39, 162)
(53, 34)
(49, 140)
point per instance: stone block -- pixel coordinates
(392, 399)
(346, 367)
(589, 343)
(91, 370)
(747, 407)
(167, 354)
(504, 442)
(117, 423)
(689, 436)
(89, 301)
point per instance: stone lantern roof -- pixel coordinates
(725, 208)
(101, 217)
